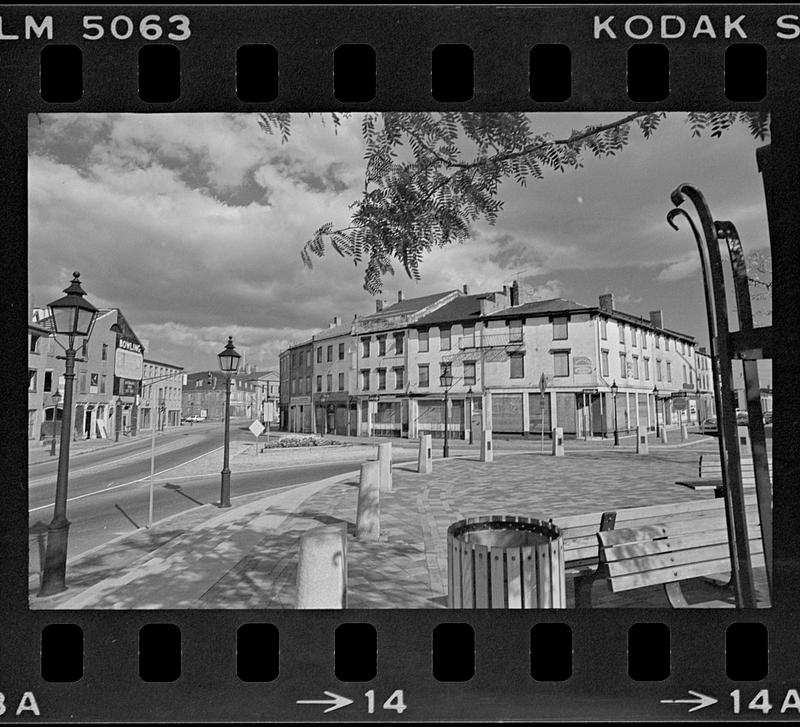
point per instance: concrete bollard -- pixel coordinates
(684, 433)
(558, 442)
(424, 461)
(368, 515)
(385, 459)
(322, 568)
(487, 452)
(642, 446)
(664, 436)
(743, 434)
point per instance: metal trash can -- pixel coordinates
(503, 561)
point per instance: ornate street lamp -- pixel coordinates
(614, 390)
(56, 397)
(70, 316)
(655, 395)
(446, 380)
(228, 364)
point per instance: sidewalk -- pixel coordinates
(246, 557)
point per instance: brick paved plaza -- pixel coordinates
(247, 557)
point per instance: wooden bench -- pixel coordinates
(709, 471)
(669, 544)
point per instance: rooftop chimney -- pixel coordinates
(466, 289)
(657, 318)
(607, 302)
(378, 305)
(505, 291)
(337, 321)
(515, 293)
(399, 296)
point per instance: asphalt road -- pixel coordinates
(109, 491)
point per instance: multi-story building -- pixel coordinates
(162, 393)
(108, 374)
(300, 387)
(204, 395)
(41, 410)
(284, 388)
(385, 361)
(518, 366)
(266, 387)
(334, 379)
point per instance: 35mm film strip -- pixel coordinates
(532, 457)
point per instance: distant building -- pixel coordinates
(334, 379)
(40, 384)
(300, 388)
(204, 395)
(162, 396)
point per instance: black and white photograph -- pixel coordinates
(399, 360)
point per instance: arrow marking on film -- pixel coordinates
(336, 701)
(700, 701)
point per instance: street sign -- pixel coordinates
(542, 383)
(257, 428)
(679, 403)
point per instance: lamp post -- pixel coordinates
(446, 380)
(655, 395)
(614, 389)
(71, 316)
(469, 424)
(228, 364)
(56, 399)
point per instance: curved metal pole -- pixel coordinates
(758, 444)
(741, 570)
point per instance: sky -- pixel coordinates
(192, 225)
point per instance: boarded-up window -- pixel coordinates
(423, 340)
(565, 412)
(560, 332)
(560, 363)
(507, 413)
(517, 366)
(539, 411)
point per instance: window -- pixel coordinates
(517, 361)
(31, 379)
(604, 362)
(646, 369)
(341, 382)
(445, 369)
(365, 379)
(684, 373)
(34, 342)
(423, 375)
(104, 353)
(560, 332)
(330, 352)
(85, 348)
(623, 365)
(93, 382)
(621, 332)
(561, 363)
(469, 373)
(658, 370)
(666, 343)
(604, 329)
(398, 343)
(365, 348)
(399, 377)
(633, 337)
(658, 340)
(515, 331)
(341, 352)
(308, 362)
(48, 381)
(381, 378)
(294, 386)
(308, 378)
(469, 337)
(444, 343)
(103, 384)
(381, 345)
(82, 383)
(635, 367)
(423, 340)
(669, 371)
(329, 382)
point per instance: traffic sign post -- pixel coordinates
(257, 428)
(542, 391)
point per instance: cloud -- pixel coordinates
(687, 266)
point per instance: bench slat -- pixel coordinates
(669, 575)
(673, 557)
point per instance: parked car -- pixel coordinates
(195, 418)
(709, 426)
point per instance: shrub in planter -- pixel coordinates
(300, 440)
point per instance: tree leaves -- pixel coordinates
(429, 176)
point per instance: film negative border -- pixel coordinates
(598, 685)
